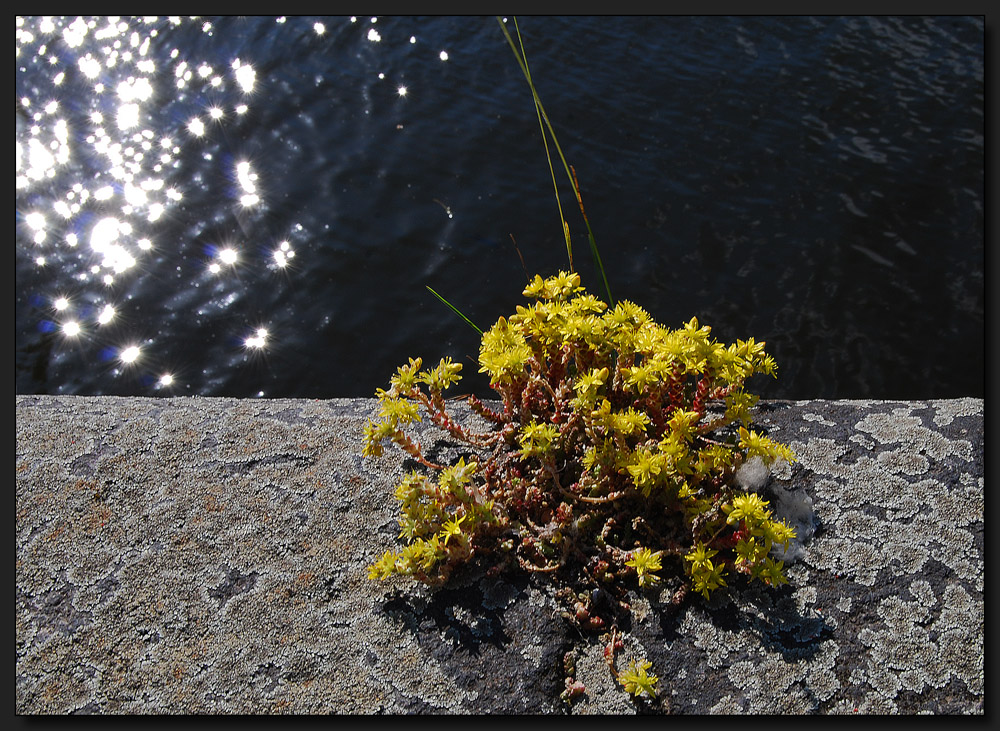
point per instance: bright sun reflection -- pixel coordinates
(119, 132)
(283, 254)
(258, 340)
(226, 256)
(245, 75)
(106, 315)
(129, 354)
(248, 181)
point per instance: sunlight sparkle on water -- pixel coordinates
(283, 254)
(111, 119)
(130, 354)
(248, 181)
(104, 240)
(227, 256)
(35, 220)
(106, 315)
(128, 116)
(245, 75)
(258, 340)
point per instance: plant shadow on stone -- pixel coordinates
(481, 631)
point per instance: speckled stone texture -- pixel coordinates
(200, 555)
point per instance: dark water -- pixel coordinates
(816, 183)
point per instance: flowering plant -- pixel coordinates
(610, 458)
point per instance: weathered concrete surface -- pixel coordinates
(201, 555)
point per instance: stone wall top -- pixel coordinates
(209, 555)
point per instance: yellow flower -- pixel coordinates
(780, 533)
(684, 423)
(758, 445)
(536, 288)
(748, 507)
(452, 528)
(554, 288)
(629, 422)
(396, 411)
(645, 562)
(700, 555)
(444, 375)
(373, 434)
(405, 379)
(587, 387)
(452, 479)
(384, 567)
(636, 681)
(640, 376)
(772, 572)
(536, 439)
(432, 550)
(645, 469)
(749, 551)
(707, 578)
(503, 352)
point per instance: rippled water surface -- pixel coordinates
(256, 206)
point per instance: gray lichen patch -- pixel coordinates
(211, 556)
(901, 526)
(947, 410)
(909, 431)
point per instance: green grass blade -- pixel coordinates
(522, 60)
(456, 311)
(540, 110)
(590, 237)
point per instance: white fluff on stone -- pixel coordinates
(795, 507)
(752, 474)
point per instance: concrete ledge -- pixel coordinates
(206, 555)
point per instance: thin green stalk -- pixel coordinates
(540, 110)
(456, 311)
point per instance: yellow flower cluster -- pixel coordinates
(602, 411)
(432, 514)
(705, 575)
(759, 534)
